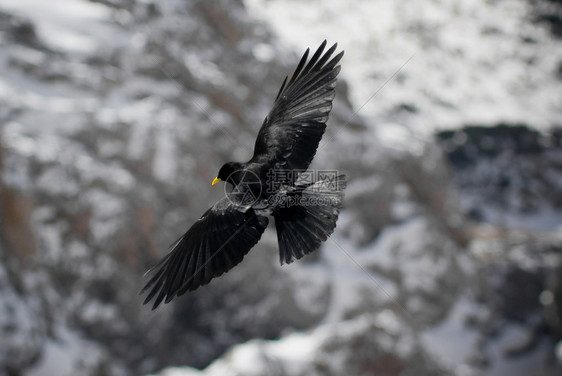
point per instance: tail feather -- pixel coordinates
(308, 217)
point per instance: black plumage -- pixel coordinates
(305, 212)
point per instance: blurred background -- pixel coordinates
(115, 115)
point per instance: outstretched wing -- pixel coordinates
(290, 134)
(217, 242)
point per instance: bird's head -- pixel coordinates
(227, 173)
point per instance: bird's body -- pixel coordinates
(270, 184)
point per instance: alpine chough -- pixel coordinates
(274, 182)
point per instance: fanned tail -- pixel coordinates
(308, 217)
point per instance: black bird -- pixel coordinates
(275, 182)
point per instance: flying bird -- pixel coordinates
(274, 182)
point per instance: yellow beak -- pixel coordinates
(215, 181)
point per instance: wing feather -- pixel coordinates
(215, 243)
(291, 132)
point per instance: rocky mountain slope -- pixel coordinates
(115, 116)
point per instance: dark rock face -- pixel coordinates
(549, 12)
(510, 168)
(515, 171)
